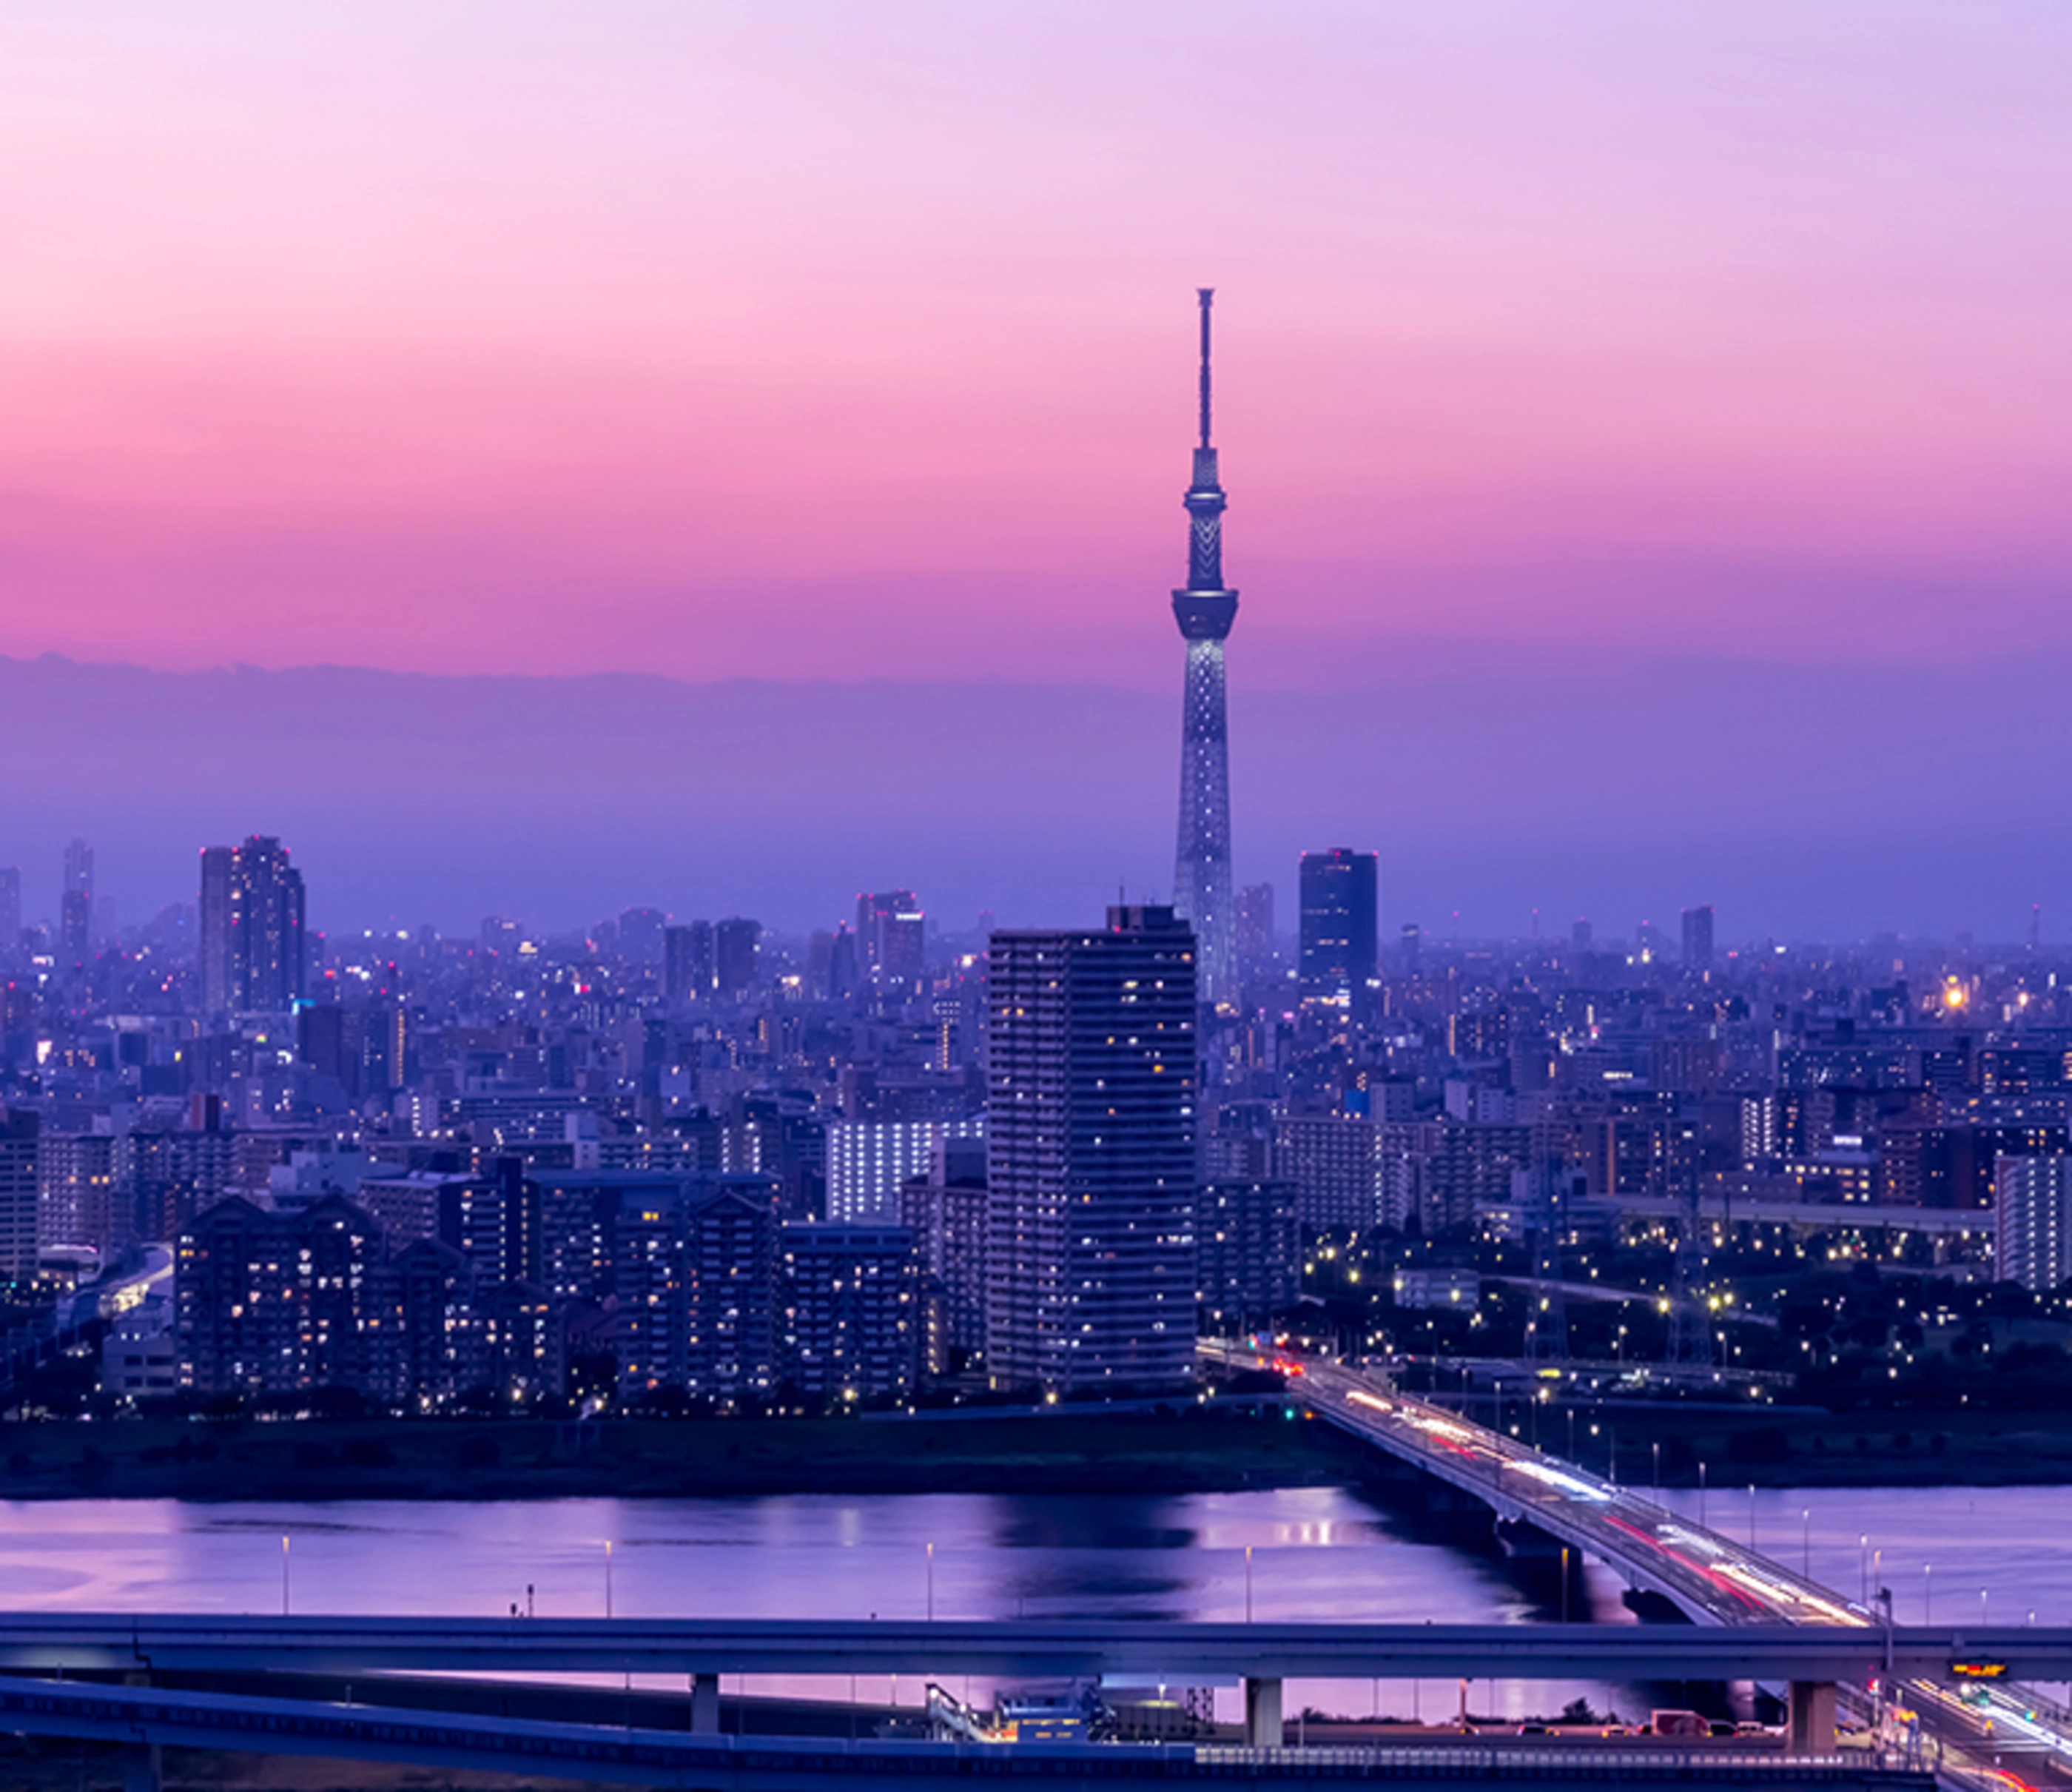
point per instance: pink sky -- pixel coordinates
(839, 341)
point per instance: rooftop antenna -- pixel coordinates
(1207, 295)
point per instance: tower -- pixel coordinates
(1205, 610)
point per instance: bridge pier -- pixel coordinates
(1812, 1730)
(142, 1769)
(1262, 1713)
(704, 1704)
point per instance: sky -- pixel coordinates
(827, 344)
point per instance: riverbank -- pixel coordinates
(1809, 1447)
(1187, 1450)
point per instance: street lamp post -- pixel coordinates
(1701, 1496)
(1927, 1593)
(1751, 1517)
(1863, 1568)
(284, 1576)
(931, 1583)
(607, 1577)
(1247, 1583)
(1657, 1448)
(1805, 1544)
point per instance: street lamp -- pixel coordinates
(1701, 1496)
(1657, 1447)
(607, 1577)
(1864, 1569)
(1806, 1543)
(1751, 1517)
(1927, 1594)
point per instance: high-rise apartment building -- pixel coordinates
(1698, 938)
(252, 954)
(20, 1194)
(76, 903)
(1206, 609)
(1341, 941)
(2032, 1221)
(869, 1161)
(10, 911)
(1091, 1093)
(641, 933)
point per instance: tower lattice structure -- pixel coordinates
(1205, 610)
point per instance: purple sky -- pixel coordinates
(837, 344)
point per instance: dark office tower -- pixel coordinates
(679, 982)
(640, 933)
(1698, 938)
(891, 930)
(1254, 943)
(1581, 936)
(213, 925)
(1090, 1173)
(10, 911)
(75, 927)
(1413, 945)
(79, 871)
(1341, 943)
(1205, 610)
(734, 955)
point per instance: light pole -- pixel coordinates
(1927, 1593)
(1247, 1583)
(607, 1577)
(1701, 1496)
(284, 1576)
(1982, 1605)
(1863, 1568)
(1751, 1517)
(931, 1583)
(1805, 1544)
(1656, 1447)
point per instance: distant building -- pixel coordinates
(1091, 1116)
(696, 1285)
(76, 1196)
(640, 935)
(1254, 929)
(945, 1209)
(1248, 1246)
(1698, 938)
(10, 911)
(20, 1194)
(869, 1161)
(892, 931)
(2032, 1221)
(76, 904)
(1331, 1163)
(254, 956)
(1340, 945)
(687, 963)
(853, 1319)
(735, 942)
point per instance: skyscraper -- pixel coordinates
(1341, 943)
(1698, 938)
(10, 911)
(1090, 1159)
(1205, 610)
(75, 905)
(889, 926)
(252, 960)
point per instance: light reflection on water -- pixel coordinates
(1317, 1553)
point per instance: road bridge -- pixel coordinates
(1174, 1652)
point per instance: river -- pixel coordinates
(1316, 1553)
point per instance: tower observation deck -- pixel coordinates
(1205, 609)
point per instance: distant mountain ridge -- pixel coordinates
(1807, 800)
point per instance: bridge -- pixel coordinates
(1176, 1654)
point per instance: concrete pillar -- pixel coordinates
(704, 1704)
(1262, 1713)
(142, 1768)
(1812, 1718)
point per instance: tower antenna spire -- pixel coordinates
(1207, 295)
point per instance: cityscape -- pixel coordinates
(506, 1281)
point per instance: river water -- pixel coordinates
(1316, 1553)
